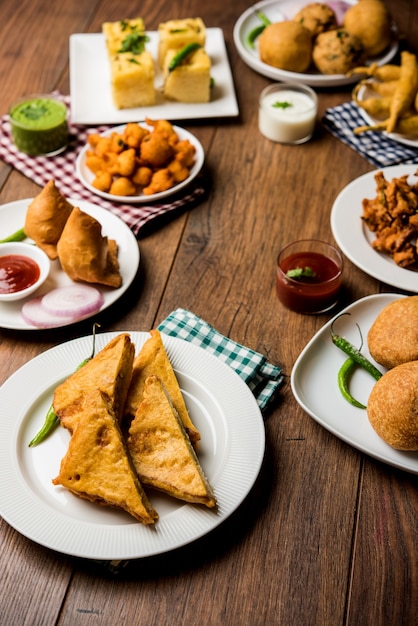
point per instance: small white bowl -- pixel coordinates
(32, 252)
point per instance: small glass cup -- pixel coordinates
(309, 276)
(39, 125)
(287, 112)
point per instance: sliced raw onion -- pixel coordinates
(36, 315)
(75, 300)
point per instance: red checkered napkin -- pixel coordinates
(61, 168)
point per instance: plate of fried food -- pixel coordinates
(155, 444)
(315, 43)
(376, 428)
(138, 163)
(374, 221)
(94, 257)
(388, 100)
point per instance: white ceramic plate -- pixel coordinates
(363, 93)
(12, 217)
(86, 176)
(231, 452)
(354, 238)
(314, 384)
(91, 98)
(278, 11)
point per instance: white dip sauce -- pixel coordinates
(287, 115)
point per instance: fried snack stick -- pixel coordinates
(383, 73)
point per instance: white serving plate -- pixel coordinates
(12, 217)
(231, 452)
(354, 238)
(91, 98)
(315, 387)
(278, 11)
(86, 176)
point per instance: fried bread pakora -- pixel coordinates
(161, 450)
(153, 359)
(46, 217)
(392, 215)
(393, 336)
(110, 371)
(370, 20)
(97, 466)
(392, 407)
(317, 17)
(337, 51)
(286, 45)
(96, 257)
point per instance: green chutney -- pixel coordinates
(39, 125)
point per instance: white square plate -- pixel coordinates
(91, 97)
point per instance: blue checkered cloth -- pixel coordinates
(374, 146)
(263, 378)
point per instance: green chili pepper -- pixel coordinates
(344, 374)
(354, 353)
(19, 235)
(182, 54)
(254, 34)
(263, 18)
(51, 418)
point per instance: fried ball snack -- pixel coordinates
(392, 406)
(286, 45)
(85, 254)
(370, 21)
(393, 336)
(139, 160)
(337, 52)
(317, 18)
(392, 215)
(46, 217)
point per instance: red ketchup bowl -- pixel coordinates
(23, 269)
(309, 276)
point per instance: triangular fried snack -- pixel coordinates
(110, 371)
(153, 359)
(85, 254)
(97, 467)
(161, 451)
(46, 217)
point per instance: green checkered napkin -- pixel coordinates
(263, 378)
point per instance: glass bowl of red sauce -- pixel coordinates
(309, 276)
(23, 269)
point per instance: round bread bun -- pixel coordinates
(393, 336)
(370, 20)
(337, 51)
(286, 45)
(392, 407)
(316, 17)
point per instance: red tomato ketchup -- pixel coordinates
(316, 292)
(17, 272)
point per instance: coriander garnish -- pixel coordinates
(301, 272)
(282, 105)
(134, 42)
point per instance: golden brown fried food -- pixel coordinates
(85, 254)
(370, 21)
(161, 180)
(133, 134)
(103, 181)
(156, 150)
(392, 215)
(123, 186)
(393, 336)
(46, 217)
(286, 45)
(337, 52)
(316, 17)
(392, 406)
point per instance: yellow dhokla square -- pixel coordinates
(175, 34)
(189, 81)
(117, 32)
(132, 77)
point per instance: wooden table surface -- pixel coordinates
(328, 535)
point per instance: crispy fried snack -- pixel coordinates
(46, 217)
(393, 216)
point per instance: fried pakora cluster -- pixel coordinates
(140, 159)
(393, 216)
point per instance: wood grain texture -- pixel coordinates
(327, 536)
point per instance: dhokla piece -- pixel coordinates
(190, 80)
(176, 34)
(132, 79)
(116, 33)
